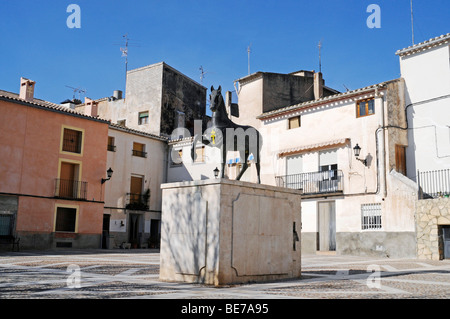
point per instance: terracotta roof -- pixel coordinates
(311, 147)
(445, 38)
(323, 100)
(133, 131)
(14, 98)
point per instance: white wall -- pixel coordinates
(427, 79)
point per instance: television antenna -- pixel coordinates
(320, 55)
(248, 52)
(202, 74)
(124, 50)
(412, 22)
(75, 90)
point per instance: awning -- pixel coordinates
(311, 147)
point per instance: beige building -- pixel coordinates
(352, 205)
(132, 212)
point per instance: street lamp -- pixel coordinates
(216, 172)
(109, 172)
(357, 151)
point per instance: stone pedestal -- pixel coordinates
(225, 231)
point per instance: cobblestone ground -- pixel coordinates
(97, 274)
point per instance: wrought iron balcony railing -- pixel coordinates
(314, 183)
(433, 184)
(70, 189)
(139, 153)
(137, 201)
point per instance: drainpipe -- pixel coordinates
(382, 170)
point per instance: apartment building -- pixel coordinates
(51, 191)
(132, 212)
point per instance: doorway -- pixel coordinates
(105, 231)
(134, 231)
(446, 241)
(326, 221)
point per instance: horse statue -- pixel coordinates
(229, 136)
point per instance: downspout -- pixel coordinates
(382, 154)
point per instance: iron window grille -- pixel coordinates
(371, 216)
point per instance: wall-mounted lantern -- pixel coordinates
(216, 172)
(357, 151)
(109, 173)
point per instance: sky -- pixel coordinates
(283, 35)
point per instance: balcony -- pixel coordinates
(434, 184)
(69, 189)
(138, 201)
(314, 183)
(139, 153)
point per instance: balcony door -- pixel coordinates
(67, 180)
(136, 189)
(328, 166)
(294, 167)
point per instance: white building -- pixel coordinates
(425, 68)
(132, 212)
(349, 206)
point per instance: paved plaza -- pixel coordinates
(133, 274)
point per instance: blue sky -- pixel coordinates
(284, 36)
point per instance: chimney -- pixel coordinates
(117, 95)
(90, 107)
(318, 85)
(26, 89)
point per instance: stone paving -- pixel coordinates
(133, 274)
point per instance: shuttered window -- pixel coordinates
(294, 122)
(72, 141)
(400, 159)
(65, 219)
(365, 108)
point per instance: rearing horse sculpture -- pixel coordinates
(229, 136)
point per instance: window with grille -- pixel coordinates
(66, 219)
(72, 141)
(370, 216)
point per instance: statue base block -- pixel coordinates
(224, 231)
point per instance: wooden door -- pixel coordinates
(67, 180)
(400, 159)
(135, 189)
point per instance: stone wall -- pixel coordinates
(430, 215)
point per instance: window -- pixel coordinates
(111, 144)
(122, 122)
(143, 118)
(200, 152)
(365, 107)
(400, 159)
(139, 150)
(65, 219)
(370, 216)
(294, 122)
(72, 140)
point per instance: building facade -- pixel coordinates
(158, 99)
(50, 172)
(425, 68)
(132, 211)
